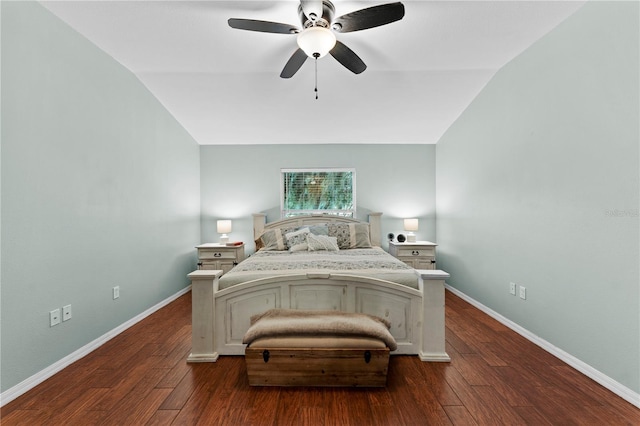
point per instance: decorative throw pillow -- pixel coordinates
(322, 242)
(297, 237)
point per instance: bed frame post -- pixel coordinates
(432, 346)
(375, 228)
(203, 286)
(259, 220)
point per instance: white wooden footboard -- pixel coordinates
(220, 318)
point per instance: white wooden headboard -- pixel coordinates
(259, 223)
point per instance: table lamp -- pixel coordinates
(411, 225)
(224, 227)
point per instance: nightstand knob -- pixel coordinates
(217, 254)
(415, 253)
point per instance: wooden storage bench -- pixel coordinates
(317, 348)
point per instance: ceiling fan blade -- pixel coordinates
(370, 17)
(294, 63)
(312, 8)
(263, 26)
(348, 58)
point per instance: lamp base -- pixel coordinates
(411, 237)
(224, 239)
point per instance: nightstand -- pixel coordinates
(418, 255)
(219, 256)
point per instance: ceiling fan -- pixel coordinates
(316, 38)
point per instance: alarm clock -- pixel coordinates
(401, 238)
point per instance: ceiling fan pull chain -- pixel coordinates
(316, 89)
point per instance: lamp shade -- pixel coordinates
(224, 226)
(316, 41)
(411, 224)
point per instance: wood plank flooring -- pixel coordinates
(496, 377)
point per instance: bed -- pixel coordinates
(284, 274)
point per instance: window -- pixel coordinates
(318, 191)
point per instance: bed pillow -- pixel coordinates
(350, 235)
(297, 237)
(363, 239)
(299, 247)
(272, 240)
(322, 242)
(322, 229)
(299, 242)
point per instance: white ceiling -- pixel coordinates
(223, 84)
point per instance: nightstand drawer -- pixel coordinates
(216, 254)
(414, 252)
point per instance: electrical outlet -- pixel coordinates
(66, 313)
(54, 317)
(512, 288)
(116, 292)
(523, 292)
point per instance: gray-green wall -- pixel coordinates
(397, 180)
(538, 184)
(100, 187)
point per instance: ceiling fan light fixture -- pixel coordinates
(316, 41)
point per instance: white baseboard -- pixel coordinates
(599, 377)
(31, 382)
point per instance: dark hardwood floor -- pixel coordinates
(495, 377)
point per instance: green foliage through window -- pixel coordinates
(324, 191)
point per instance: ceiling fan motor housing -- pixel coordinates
(328, 12)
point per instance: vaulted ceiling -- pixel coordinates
(223, 84)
